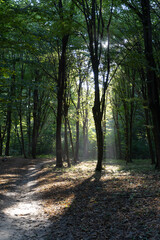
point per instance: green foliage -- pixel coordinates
(31, 39)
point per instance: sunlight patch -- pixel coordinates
(23, 209)
(112, 169)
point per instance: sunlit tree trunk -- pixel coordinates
(66, 107)
(71, 139)
(77, 118)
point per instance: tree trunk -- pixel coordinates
(77, 121)
(85, 123)
(152, 78)
(118, 137)
(66, 107)
(22, 137)
(147, 119)
(2, 136)
(20, 114)
(9, 113)
(131, 116)
(127, 138)
(1, 141)
(97, 115)
(60, 96)
(66, 144)
(148, 131)
(85, 136)
(18, 137)
(71, 140)
(35, 117)
(29, 122)
(99, 135)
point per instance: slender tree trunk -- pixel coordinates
(127, 158)
(98, 123)
(9, 113)
(77, 121)
(148, 131)
(127, 138)
(118, 137)
(147, 119)
(71, 140)
(85, 123)
(58, 130)
(131, 116)
(60, 96)
(66, 144)
(85, 136)
(20, 115)
(97, 115)
(66, 107)
(1, 141)
(35, 117)
(22, 136)
(18, 137)
(152, 79)
(99, 135)
(29, 122)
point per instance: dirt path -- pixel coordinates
(21, 213)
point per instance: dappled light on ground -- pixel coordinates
(23, 209)
(122, 202)
(119, 203)
(21, 212)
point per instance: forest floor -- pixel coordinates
(39, 201)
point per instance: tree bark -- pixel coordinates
(71, 139)
(97, 115)
(118, 137)
(22, 136)
(35, 117)
(20, 115)
(66, 144)
(77, 119)
(152, 78)
(9, 113)
(60, 96)
(66, 107)
(148, 131)
(29, 121)
(1, 141)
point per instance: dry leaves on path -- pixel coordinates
(113, 205)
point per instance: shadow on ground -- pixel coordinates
(81, 204)
(103, 206)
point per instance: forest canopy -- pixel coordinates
(79, 79)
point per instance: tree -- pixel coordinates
(95, 23)
(152, 77)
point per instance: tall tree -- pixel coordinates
(93, 12)
(152, 77)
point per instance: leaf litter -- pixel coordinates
(115, 204)
(81, 204)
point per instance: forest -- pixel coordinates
(80, 80)
(79, 119)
